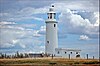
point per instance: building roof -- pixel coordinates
(66, 49)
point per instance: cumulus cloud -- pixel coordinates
(21, 18)
(42, 30)
(78, 5)
(13, 34)
(3, 23)
(76, 24)
(14, 25)
(84, 37)
(23, 14)
(26, 13)
(30, 10)
(20, 39)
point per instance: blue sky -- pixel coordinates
(22, 25)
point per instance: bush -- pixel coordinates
(76, 63)
(92, 62)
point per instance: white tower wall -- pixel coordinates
(51, 36)
(51, 33)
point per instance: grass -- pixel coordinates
(48, 62)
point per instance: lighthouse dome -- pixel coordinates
(51, 8)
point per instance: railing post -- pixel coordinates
(52, 56)
(69, 56)
(87, 56)
(93, 57)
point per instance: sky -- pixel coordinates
(23, 28)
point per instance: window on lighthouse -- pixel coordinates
(65, 52)
(76, 52)
(47, 41)
(50, 15)
(54, 15)
(58, 52)
(54, 25)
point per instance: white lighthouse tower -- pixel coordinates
(51, 32)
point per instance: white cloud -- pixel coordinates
(14, 41)
(96, 15)
(26, 25)
(23, 14)
(87, 22)
(22, 18)
(42, 30)
(75, 24)
(6, 45)
(21, 36)
(26, 13)
(78, 5)
(3, 23)
(39, 19)
(13, 25)
(84, 37)
(4, 14)
(30, 11)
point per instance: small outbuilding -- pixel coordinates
(66, 53)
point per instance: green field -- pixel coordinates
(49, 62)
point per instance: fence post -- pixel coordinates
(87, 56)
(69, 56)
(52, 56)
(93, 57)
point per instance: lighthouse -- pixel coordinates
(51, 32)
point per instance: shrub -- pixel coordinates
(91, 62)
(76, 63)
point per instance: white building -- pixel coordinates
(63, 52)
(51, 32)
(51, 46)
